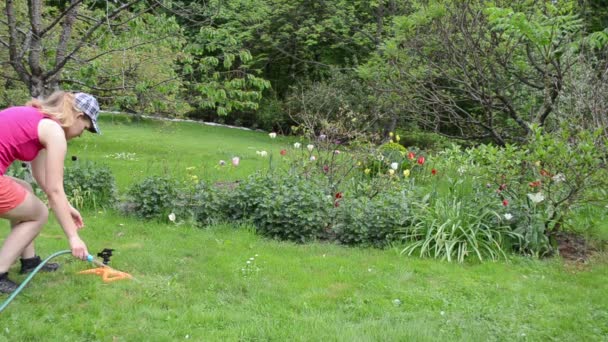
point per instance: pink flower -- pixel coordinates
(236, 161)
(411, 156)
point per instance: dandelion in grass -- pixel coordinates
(536, 197)
(250, 268)
(297, 145)
(310, 147)
(272, 135)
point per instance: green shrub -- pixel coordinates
(294, 209)
(89, 185)
(153, 198)
(372, 222)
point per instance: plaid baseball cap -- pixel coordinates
(87, 104)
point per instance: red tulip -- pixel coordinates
(283, 152)
(505, 203)
(411, 156)
(434, 172)
(421, 160)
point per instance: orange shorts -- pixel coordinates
(12, 194)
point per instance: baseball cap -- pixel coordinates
(87, 104)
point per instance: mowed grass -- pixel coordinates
(195, 284)
(137, 149)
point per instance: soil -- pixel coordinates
(573, 247)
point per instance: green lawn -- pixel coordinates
(196, 284)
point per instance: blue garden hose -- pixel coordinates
(32, 274)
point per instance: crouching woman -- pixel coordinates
(38, 132)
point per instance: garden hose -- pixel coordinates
(32, 274)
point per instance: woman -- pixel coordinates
(38, 132)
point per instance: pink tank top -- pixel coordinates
(19, 135)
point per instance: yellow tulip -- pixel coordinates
(406, 173)
(367, 171)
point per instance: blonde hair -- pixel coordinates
(59, 105)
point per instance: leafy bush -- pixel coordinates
(89, 185)
(542, 182)
(294, 209)
(153, 198)
(372, 221)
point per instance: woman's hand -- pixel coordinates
(76, 217)
(79, 249)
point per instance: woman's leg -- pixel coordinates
(27, 220)
(29, 251)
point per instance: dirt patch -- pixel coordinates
(573, 247)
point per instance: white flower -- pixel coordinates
(172, 217)
(313, 158)
(508, 216)
(310, 147)
(222, 163)
(272, 135)
(248, 261)
(236, 161)
(394, 166)
(261, 153)
(297, 145)
(537, 197)
(322, 136)
(337, 152)
(559, 178)
(396, 302)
